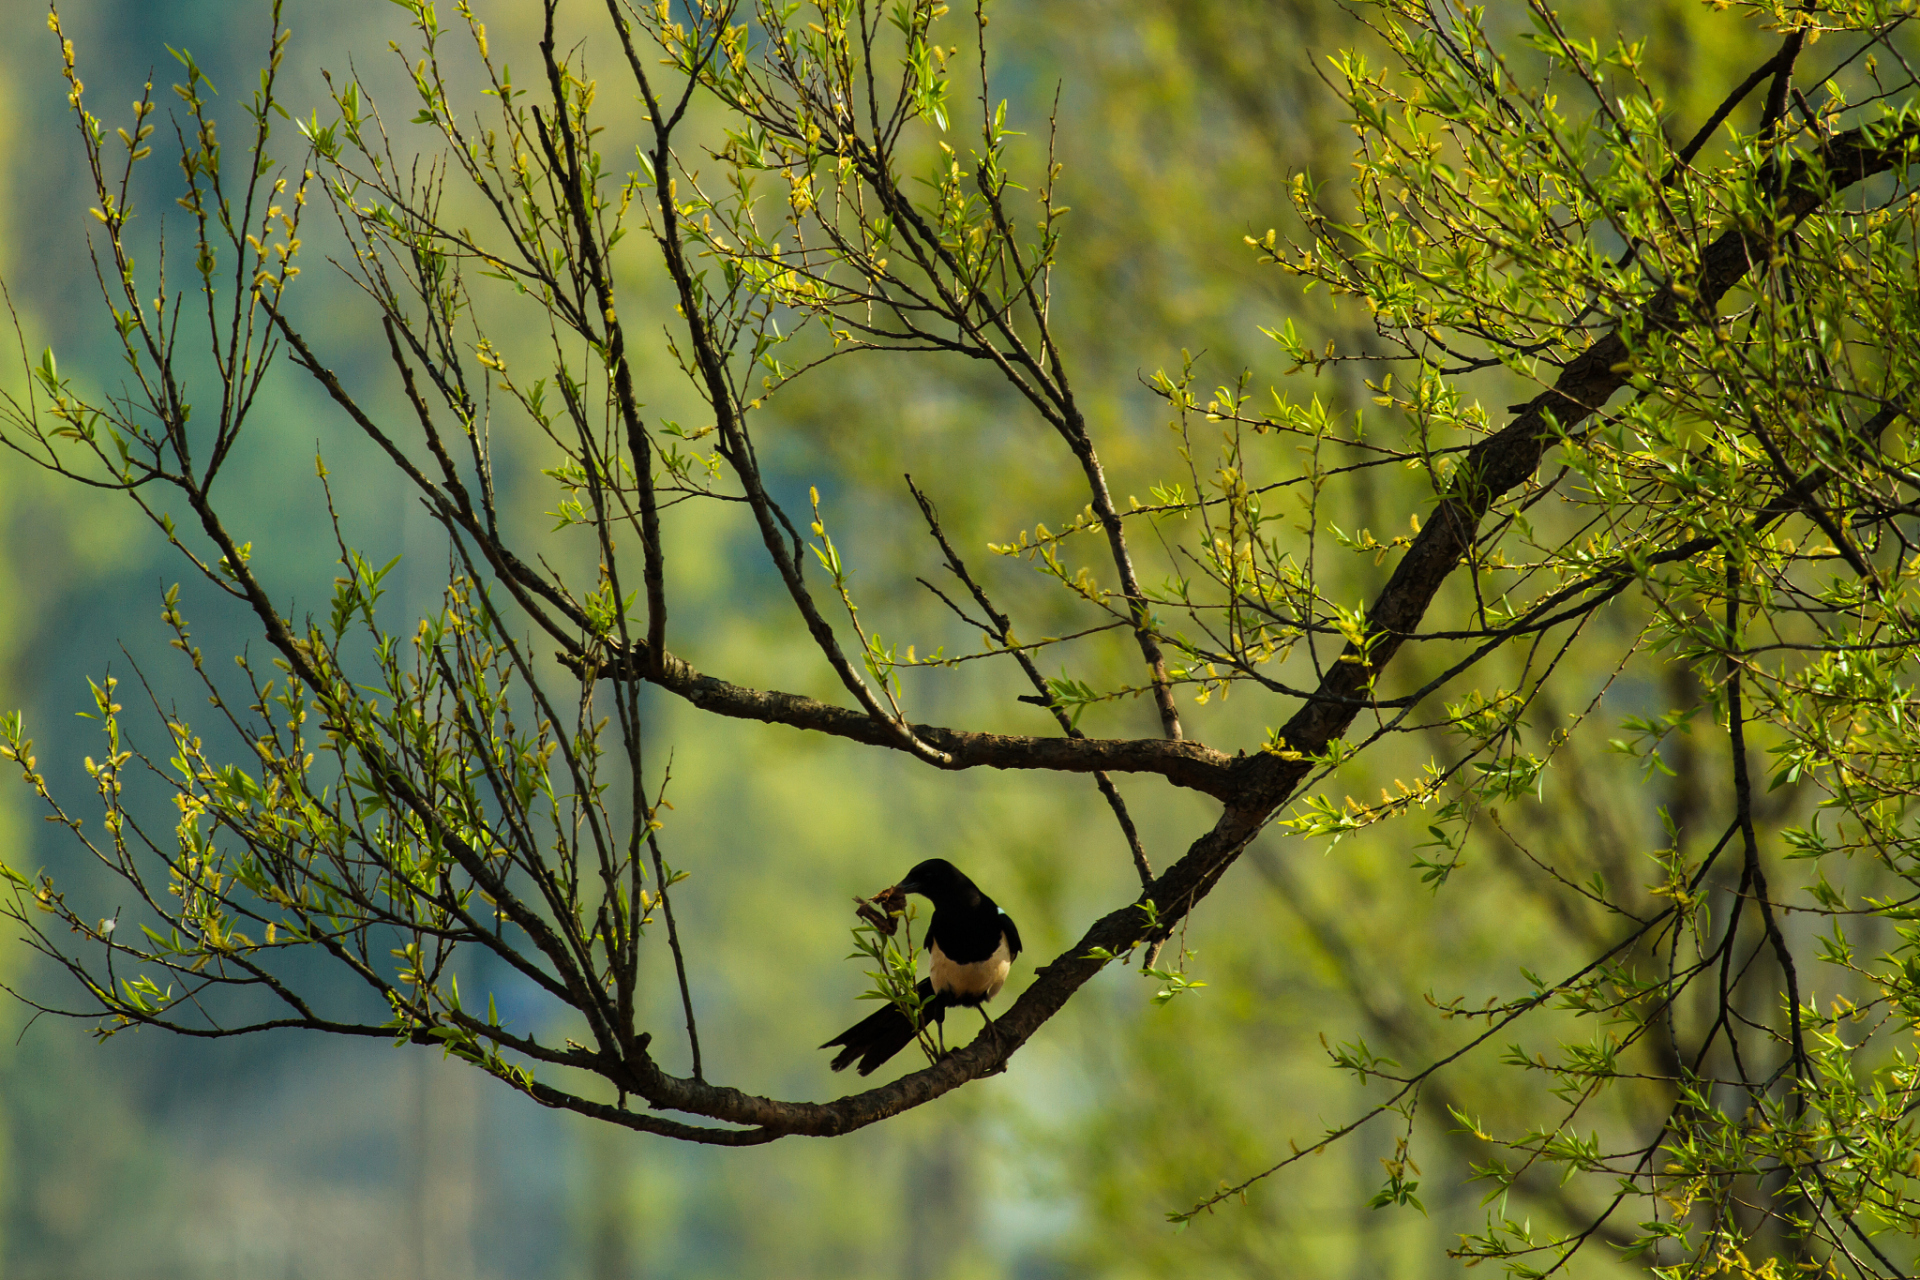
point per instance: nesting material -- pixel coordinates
(883, 910)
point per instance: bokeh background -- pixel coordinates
(1180, 122)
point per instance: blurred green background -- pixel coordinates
(292, 1155)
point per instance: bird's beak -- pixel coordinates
(909, 886)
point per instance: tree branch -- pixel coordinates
(1183, 762)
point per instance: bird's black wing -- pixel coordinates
(883, 1033)
(1013, 935)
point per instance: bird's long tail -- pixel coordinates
(880, 1035)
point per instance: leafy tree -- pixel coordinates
(1707, 330)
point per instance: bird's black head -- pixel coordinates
(940, 881)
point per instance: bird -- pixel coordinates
(973, 944)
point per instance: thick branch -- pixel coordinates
(1184, 763)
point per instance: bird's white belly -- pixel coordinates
(971, 983)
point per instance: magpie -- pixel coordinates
(973, 944)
